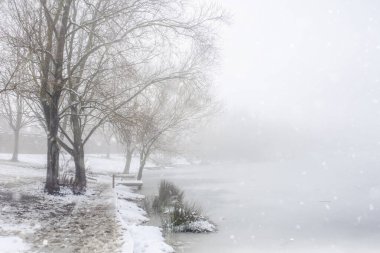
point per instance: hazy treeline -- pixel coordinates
(137, 70)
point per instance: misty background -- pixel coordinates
(289, 163)
(294, 77)
(299, 76)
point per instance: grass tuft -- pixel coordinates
(168, 195)
(176, 214)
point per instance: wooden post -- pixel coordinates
(113, 180)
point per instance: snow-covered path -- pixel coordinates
(103, 220)
(43, 223)
(138, 237)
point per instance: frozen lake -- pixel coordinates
(317, 204)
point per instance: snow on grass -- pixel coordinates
(198, 226)
(23, 180)
(43, 222)
(148, 239)
(138, 238)
(131, 213)
(12, 244)
(15, 170)
(18, 228)
(123, 192)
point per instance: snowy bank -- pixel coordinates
(12, 244)
(138, 238)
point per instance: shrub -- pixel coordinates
(177, 215)
(184, 213)
(66, 179)
(168, 196)
(147, 205)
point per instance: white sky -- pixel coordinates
(314, 63)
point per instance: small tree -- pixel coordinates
(170, 114)
(126, 129)
(126, 137)
(17, 114)
(107, 135)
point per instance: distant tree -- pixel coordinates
(161, 119)
(13, 106)
(107, 134)
(126, 131)
(16, 112)
(125, 128)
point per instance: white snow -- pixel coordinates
(148, 239)
(138, 238)
(12, 244)
(201, 226)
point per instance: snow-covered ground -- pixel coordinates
(103, 220)
(321, 204)
(139, 238)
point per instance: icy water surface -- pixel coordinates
(317, 204)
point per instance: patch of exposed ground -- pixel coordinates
(65, 223)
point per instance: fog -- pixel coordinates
(293, 76)
(276, 141)
(308, 70)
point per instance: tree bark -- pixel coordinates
(128, 161)
(17, 126)
(16, 145)
(80, 182)
(51, 184)
(142, 165)
(108, 155)
(51, 89)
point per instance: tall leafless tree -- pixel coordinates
(41, 28)
(89, 59)
(135, 56)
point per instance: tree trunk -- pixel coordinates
(51, 185)
(64, 127)
(80, 182)
(108, 155)
(142, 165)
(16, 145)
(50, 97)
(128, 161)
(17, 127)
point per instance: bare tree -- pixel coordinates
(163, 115)
(88, 60)
(107, 134)
(14, 107)
(125, 124)
(16, 112)
(40, 28)
(127, 57)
